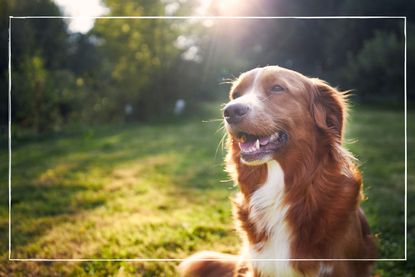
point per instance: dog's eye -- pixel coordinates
(277, 88)
(236, 94)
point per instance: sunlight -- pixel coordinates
(81, 8)
(230, 6)
(222, 7)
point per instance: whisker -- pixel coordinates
(226, 181)
(220, 144)
(212, 120)
(228, 80)
(221, 128)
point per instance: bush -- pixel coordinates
(376, 71)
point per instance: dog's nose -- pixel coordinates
(235, 112)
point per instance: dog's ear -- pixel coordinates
(329, 108)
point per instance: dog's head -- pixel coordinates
(273, 111)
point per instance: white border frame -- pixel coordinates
(208, 17)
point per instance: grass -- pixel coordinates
(159, 191)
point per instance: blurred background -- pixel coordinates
(116, 70)
(114, 120)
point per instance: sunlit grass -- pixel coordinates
(157, 191)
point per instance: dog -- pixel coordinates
(299, 188)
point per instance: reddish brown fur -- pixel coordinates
(322, 185)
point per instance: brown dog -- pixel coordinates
(300, 190)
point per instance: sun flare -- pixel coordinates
(223, 7)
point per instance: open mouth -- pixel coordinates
(257, 148)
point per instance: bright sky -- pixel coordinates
(81, 8)
(85, 8)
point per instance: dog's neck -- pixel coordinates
(302, 203)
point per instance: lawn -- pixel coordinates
(159, 191)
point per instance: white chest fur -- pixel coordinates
(268, 212)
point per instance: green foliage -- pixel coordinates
(50, 97)
(381, 59)
(142, 52)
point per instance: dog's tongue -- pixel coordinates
(252, 143)
(264, 140)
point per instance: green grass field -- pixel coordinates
(159, 191)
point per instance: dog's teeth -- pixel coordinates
(257, 144)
